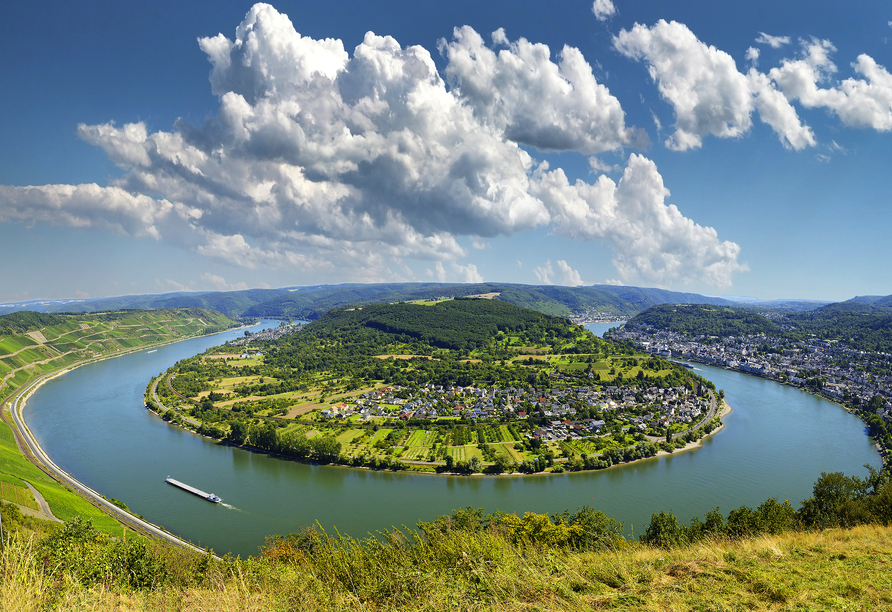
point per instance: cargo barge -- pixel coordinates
(208, 496)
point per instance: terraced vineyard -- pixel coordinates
(32, 344)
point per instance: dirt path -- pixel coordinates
(44, 507)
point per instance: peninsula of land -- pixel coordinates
(452, 386)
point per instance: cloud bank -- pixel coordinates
(569, 277)
(320, 158)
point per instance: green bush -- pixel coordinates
(664, 531)
(92, 557)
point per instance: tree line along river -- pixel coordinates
(93, 424)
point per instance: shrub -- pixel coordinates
(664, 531)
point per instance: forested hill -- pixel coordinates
(866, 327)
(702, 320)
(461, 342)
(453, 324)
(310, 303)
(25, 321)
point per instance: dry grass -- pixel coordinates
(832, 570)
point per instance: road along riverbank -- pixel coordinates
(43, 461)
(31, 448)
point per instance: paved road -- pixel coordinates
(45, 463)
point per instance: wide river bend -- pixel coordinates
(93, 424)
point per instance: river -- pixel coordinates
(93, 424)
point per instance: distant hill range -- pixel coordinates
(878, 301)
(309, 303)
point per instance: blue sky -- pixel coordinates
(715, 147)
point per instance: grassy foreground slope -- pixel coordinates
(827, 570)
(15, 470)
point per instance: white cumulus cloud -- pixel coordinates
(752, 54)
(709, 95)
(218, 282)
(651, 239)
(603, 9)
(322, 159)
(569, 276)
(439, 272)
(544, 273)
(565, 274)
(858, 102)
(522, 93)
(467, 273)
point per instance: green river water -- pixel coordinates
(93, 424)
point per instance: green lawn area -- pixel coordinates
(250, 361)
(508, 451)
(380, 435)
(464, 453)
(417, 453)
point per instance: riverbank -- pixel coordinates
(34, 385)
(38, 457)
(29, 448)
(698, 443)
(435, 468)
(884, 454)
(96, 413)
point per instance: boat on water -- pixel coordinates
(181, 485)
(683, 364)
